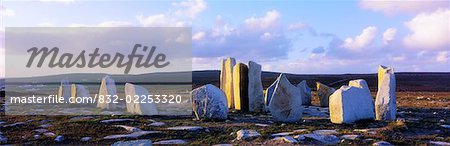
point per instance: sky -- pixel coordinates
(301, 37)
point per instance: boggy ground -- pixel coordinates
(420, 119)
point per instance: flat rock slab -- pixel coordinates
(382, 143)
(86, 138)
(262, 125)
(326, 132)
(3, 139)
(350, 137)
(247, 134)
(81, 118)
(131, 135)
(439, 143)
(157, 124)
(171, 142)
(40, 130)
(59, 138)
(323, 139)
(133, 143)
(287, 139)
(445, 126)
(185, 128)
(128, 128)
(281, 134)
(116, 120)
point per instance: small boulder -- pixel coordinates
(382, 143)
(209, 102)
(59, 138)
(324, 92)
(247, 134)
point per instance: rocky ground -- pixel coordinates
(423, 118)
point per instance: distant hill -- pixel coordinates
(406, 81)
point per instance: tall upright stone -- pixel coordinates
(324, 93)
(349, 104)
(385, 102)
(255, 88)
(240, 85)
(209, 102)
(360, 83)
(228, 81)
(222, 74)
(306, 92)
(269, 94)
(107, 89)
(64, 89)
(286, 102)
(79, 91)
(141, 108)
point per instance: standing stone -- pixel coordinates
(107, 87)
(209, 102)
(240, 85)
(228, 81)
(141, 108)
(324, 93)
(79, 91)
(269, 94)
(286, 102)
(64, 89)
(306, 92)
(222, 74)
(255, 88)
(360, 83)
(349, 104)
(385, 102)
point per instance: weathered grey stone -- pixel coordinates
(325, 132)
(209, 102)
(255, 88)
(171, 142)
(323, 139)
(116, 120)
(107, 87)
(157, 124)
(64, 89)
(439, 143)
(135, 91)
(324, 92)
(85, 138)
(385, 102)
(382, 143)
(349, 104)
(269, 94)
(305, 92)
(59, 138)
(131, 135)
(287, 139)
(227, 78)
(185, 128)
(133, 143)
(244, 134)
(240, 87)
(359, 83)
(350, 137)
(286, 102)
(79, 91)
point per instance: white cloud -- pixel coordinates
(61, 1)
(198, 36)
(398, 58)
(361, 41)
(297, 26)
(389, 35)
(104, 24)
(6, 12)
(161, 20)
(429, 31)
(267, 21)
(397, 6)
(190, 8)
(442, 57)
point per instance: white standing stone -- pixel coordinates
(228, 81)
(255, 87)
(324, 93)
(107, 87)
(305, 91)
(360, 83)
(286, 102)
(134, 92)
(269, 94)
(209, 102)
(349, 104)
(385, 102)
(64, 89)
(79, 91)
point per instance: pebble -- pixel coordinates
(59, 138)
(350, 137)
(157, 124)
(287, 139)
(245, 134)
(86, 138)
(382, 143)
(41, 130)
(45, 125)
(49, 134)
(262, 125)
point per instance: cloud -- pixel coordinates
(396, 7)
(190, 8)
(443, 57)
(198, 36)
(161, 20)
(361, 41)
(389, 35)
(6, 12)
(297, 26)
(104, 24)
(60, 1)
(267, 21)
(429, 31)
